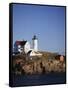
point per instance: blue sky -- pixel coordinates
(46, 22)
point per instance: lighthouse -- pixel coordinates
(35, 43)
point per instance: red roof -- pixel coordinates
(20, 42)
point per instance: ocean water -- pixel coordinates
(39, 79)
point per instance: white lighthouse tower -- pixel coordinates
(35, 43)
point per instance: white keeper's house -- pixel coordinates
(25, 47)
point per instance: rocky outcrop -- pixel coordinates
(42, 65)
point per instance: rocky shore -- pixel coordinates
(37, 65)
